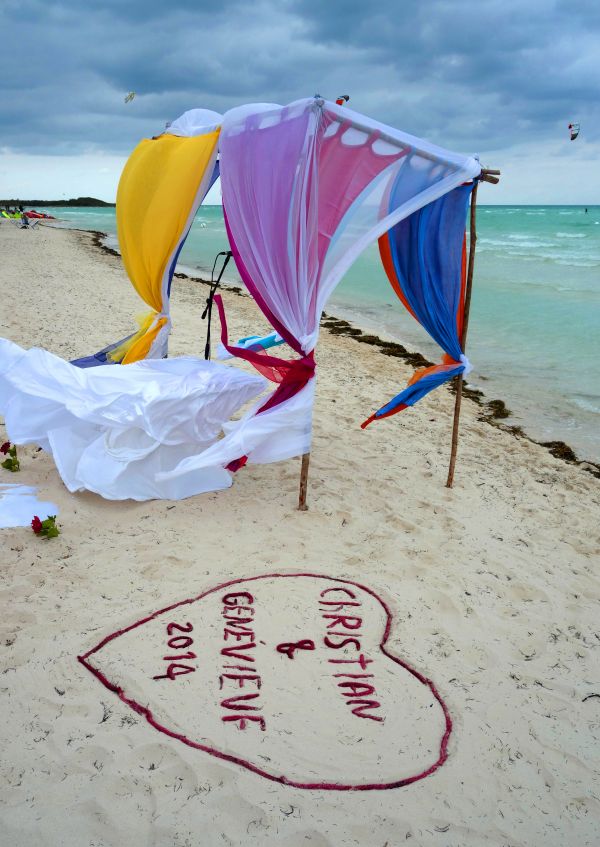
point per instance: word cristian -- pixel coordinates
(241, 708)
(342, 631)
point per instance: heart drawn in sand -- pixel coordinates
(287, 675)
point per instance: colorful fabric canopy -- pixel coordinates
(424, 257)
(162, 185)
(306, 188)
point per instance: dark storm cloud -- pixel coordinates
(467, 74)
(509, 64)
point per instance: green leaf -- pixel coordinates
(11, 464)
(49, 528)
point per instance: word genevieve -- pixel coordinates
(243, 706)
(343, 632)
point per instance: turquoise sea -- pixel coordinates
(534, 335)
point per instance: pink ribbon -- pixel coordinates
(291, 375)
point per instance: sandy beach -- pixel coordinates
(492, 587)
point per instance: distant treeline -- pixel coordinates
(78, 201)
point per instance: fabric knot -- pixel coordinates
(291, 375)
(467, 364)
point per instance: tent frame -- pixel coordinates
(486, 175)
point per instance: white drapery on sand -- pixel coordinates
(112, 429)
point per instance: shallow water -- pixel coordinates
(534, 336)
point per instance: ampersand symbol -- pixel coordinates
(289, 647)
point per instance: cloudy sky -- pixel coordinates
(501, 78)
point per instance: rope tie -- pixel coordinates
(207, 313)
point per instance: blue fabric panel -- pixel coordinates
(418, 390)
(91, 361)
(427, 254)
(426, 250)
(100, 358)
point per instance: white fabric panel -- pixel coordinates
(233, 120)
(279, 433)
(19, 505)
(113, 429)
(160, 346)
(195, 122)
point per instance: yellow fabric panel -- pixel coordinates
(144, 322)
(155, 196)
(141, 347)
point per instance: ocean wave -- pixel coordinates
(512, 248)
(571, 235)
(494, 241)
(587, 402)
(516, 251)
(526, 245)
(543, 285)
(573, 263)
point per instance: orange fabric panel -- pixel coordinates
(388, 264)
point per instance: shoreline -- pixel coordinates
(493, 411)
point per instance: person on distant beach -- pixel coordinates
(24, 221)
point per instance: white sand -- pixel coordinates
(494, 588)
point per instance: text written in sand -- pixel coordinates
(241, 707)
(178, 639)
(343, 631)
(287, 675)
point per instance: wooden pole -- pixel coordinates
(302, 507)
(463, 343)
(488, 175)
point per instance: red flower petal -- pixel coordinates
(36, 525)
(5, 447)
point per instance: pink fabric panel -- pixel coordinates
(256, 292)
(344, 172)
(268, 196)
